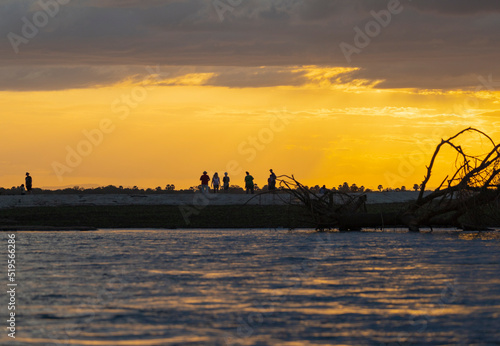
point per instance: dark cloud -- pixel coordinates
(319, 9)
(457, 7)
(120, 3)
(430, 44)
(30, 78)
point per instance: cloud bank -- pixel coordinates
(64, 44)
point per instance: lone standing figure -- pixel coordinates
(249, 183)
(204, 182)
(29, 182)
(271, 181)
(226, 180)
(216, 182)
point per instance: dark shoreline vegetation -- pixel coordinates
(171, 189)
(162, 216)
(83, 218)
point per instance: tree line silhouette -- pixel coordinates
(170, 188)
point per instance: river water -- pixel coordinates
(255, 287)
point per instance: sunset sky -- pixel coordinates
(152, 92)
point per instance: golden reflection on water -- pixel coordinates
(490, 235)
(262, 288)
(139, 342)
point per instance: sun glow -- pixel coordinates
(331, 129)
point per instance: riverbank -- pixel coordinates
(168, 211)
(161, 216)
(153, 216)
(175, 199)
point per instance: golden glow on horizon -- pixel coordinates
(328, 131)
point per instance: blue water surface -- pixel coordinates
(256, 287)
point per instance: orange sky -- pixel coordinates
(152, 134)
(154, 92)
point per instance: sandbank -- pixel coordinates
(54, 200)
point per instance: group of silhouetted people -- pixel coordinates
(249, 182)
(205, 179)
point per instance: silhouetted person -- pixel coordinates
(226, 181)
(249, 183)
(23, 190)
(204, 182)
(29, 182)
(271, 181)
(323, 190)
(216, 182)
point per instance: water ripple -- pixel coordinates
(257, 287)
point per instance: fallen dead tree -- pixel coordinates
(457, 202)
(474, 185)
